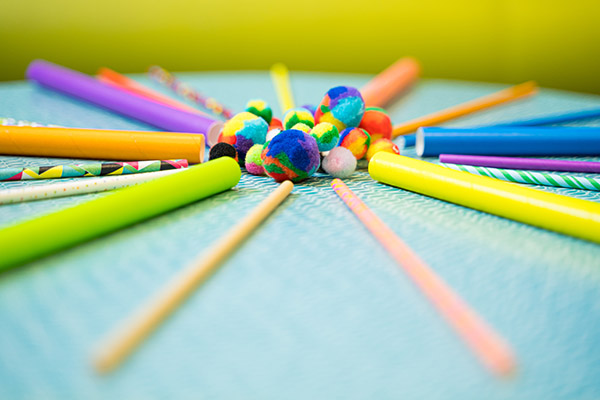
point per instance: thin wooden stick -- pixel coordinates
(481, 103)
(123, 341)
(281, 80)
(486, 344)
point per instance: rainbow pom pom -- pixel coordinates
(356, 140)
(326, 135)
(302, 127)
(298, 115)
(377, 122)
(260, 108)
(382, 145)
(292, 155)
(339, 163)
(342, 106)
(243, 131)
(254, 163)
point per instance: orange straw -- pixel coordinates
(396, 78)
(100, 144)
(481, 103)
(122, 82)
(486, 344)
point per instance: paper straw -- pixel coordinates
(508, 141)
(13, 122)
(184, 90)
(89, 170)
(100, 144)
(87, 88)
(563, 214)
(522, 163)
(281, 80)
(122, 82)
(34, 238)
(392, 81)
(533, 178)
(481, 103)
(485, 343)
(74, 188)
(124, 340)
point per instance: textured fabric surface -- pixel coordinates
(310, 306)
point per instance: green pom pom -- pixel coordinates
(298, 116)
(260, 108)
(254, 162)
(326, 135)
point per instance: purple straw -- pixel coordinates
(522, 163)
(87, 88)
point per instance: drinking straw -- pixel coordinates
(127, 337)
(184, 90)
(15, 122)
(485, 343)
(563, 214)
(87, 170)
(74, 188)
(122, 82)
(281, 80)
(40, 236)
(396, 78)
(533, 178)
(87, 88)
(522, 163)
(100, 144)
(507, 141)
(481, 103)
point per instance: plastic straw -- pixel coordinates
(392, 81)
(522, 163)
(281, 80)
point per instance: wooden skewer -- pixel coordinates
(124, 340)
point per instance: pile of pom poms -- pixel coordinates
(334, 135)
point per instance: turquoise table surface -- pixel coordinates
(310, 306)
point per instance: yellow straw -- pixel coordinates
(281, 80)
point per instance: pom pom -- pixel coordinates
(311, 108)
(243, 131)
(356, 140)
(298, 115)
(326, 135)
(260, 108)
(292, 155)
(276, 124)
(272, 133)
(342, 106)
(254, 163)
(222, 150)
(339, 163)
(377, 122)
(302, 127)
(382, 145)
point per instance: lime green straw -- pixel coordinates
(49, 233)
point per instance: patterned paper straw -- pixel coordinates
(184, 90)
(533, 178)
(486, 344)
(92, 169)
(14, 122)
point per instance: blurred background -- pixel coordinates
(553, 42)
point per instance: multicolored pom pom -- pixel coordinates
(298, 115)
(222, 150)
(377, 122)
(260, 108)
(382, 145)
(340, 163)
(292, 155)
(342, 106)
(326, 135)
(276, 124)
(243, 131)
(302, 127)
(356, 140)
(254, 163)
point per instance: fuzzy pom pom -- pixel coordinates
(222, 150)
(272, 133)
(382, 145)
(311, 108)
(298, 115)
(356, 140)
(254, 163)
(260, 108)
(326, 135)
(292, 155)
(243, 131)
(377, 122)
(302, 127)
(339, 163)
(276, 124)
(342, 106)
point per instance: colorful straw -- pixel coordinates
(124, 340)
(485, 343)
(533, 178)
(14, 122)
(563, 214)
(184, 90)
(522, 163)
(92, 169)
(481, 103)
(281, 80)
(392, 81)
